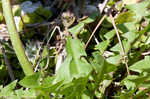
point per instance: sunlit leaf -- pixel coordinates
(141, 65)
(48, 86)
(131, 36)
(101, 66)
(127, 2)
(76, 29)
(31, 81)
(114, 59)
(75, 65)
(109, 35)
(102, 46)
(90, 19)
(129, 84)
(8, 90)
(126, 27)
(140, 9)
(125, 17)
(118, 48)
(25, 93)
(74, 89)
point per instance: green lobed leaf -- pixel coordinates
(114, 59)
(48, 86)
(130, 36)
(123, 28)
(8, 90)
(76, 29)
(90, 19)
(109, 35)
(140, 9)
(126, 27)
(101, 66)
(20, 93)
(98, 61)
(75, 65)
(135, 81)
(129, 84)
(117, 47)
(102, 32)
(74, 89)
(102, 46)
(32, 81)
(125, 17)
(141, 65)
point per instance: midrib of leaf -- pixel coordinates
(72, 52)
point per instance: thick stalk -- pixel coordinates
(15, 39)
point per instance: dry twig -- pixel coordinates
(101, 8)
(100, 22)
(38, 53)
(56, 27)
(121, 45)
(96, 40)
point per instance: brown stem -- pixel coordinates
(121, 45)
(100, 22)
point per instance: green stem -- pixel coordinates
(14, 36)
